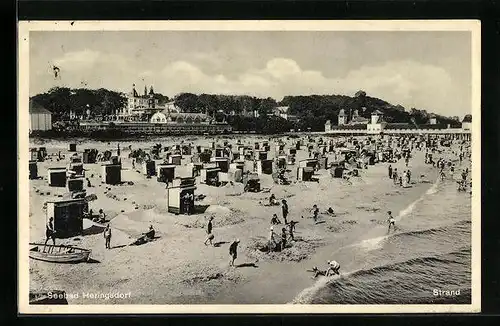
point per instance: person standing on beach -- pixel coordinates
(283, 238)
(395, 176)
(118, 150)
(210, 236)
(291, 228)
(284, 209)
(107, 237)
(233, 251)
(50, 232)
(272, 239)
(390, 171)
(408, 177)
(391, 221)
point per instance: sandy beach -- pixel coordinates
(178, 268)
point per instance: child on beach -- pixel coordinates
(333, 268)
(107, 237)
(275, 220)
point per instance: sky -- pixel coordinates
(426, 70)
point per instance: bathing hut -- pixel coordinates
(33, 168)
(42, 154)
(323, 162)
(209, 176)
(237, 165)
(292, 151)
(89, 156)
(305, 173)
(149, 168)
(33, 154)
(218, 153)
(265, 167)
(222, 163)
(256, 146)
(68, 216)
(310, 162)
(281, 162)
(72, 147)
(115, 160)
(165, 172)
(236, 156)
(205, 156)
(196, 169)
(248, 153)
(261, 155)
(57, 177)
(199, 149)
(111, 174)
(175, 159)
(76, 168)
(75, 185)
(186, 150)
(297, 145)
(279, 148)
(251, 182)
(180, 196)
(235, 175)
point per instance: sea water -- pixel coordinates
(427, 259)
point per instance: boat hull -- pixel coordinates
(59, 254)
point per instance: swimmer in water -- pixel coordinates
(333, 268)
(391, 221)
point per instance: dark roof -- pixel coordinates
(37, 108)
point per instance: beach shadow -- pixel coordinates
(320, 222)
(94, 229)
(246, 265)
(117, 247)
(218, 244)
(93, 261)
(200, 209)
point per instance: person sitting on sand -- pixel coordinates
(102, 216)
(272, 200)
(233, 251)
(391, 221)
(333, 268)
(317, 272)
(275, 220)
(330, 211)
(151, 233)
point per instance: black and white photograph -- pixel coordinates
(249, 166)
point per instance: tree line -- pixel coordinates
(311, 111)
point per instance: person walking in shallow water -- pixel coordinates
(389, 169)
(233, 251)
(391, 220)
(107, 237)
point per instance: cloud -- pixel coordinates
(409, 83)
